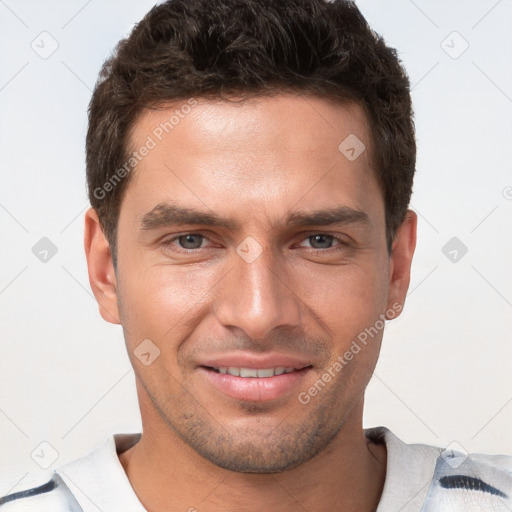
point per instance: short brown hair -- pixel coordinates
(218, 48)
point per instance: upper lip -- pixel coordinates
(256, 361)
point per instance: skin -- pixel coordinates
(254, 162)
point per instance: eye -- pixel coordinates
(190, 241)
(185, 242)
(321, 241)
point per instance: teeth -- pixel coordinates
(269, 372)
(248, 372)
(254, 372)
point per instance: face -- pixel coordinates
(250, 245)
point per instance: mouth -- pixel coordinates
(255, 384)
(252, 373)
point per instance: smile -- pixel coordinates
(254, 384)
(253, 372)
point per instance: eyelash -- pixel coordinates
(341, 243)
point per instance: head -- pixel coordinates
(250, 166)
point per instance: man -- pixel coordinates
(250, 165)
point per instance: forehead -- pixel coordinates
(290, 122)
(267, 153)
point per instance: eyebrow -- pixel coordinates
(165, 215)
(340, 215)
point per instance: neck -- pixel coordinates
(167, 474)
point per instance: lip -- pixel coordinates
(255, 389)
(247, 360)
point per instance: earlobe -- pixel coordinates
(402, 252)
(102, 276)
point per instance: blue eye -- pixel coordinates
(189, 241)
(323, 241)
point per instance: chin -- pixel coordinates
(260, 450)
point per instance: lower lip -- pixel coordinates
(255, 389)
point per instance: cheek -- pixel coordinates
(345, 297)
(157, 301)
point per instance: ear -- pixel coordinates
(102, 276)
(402, 251)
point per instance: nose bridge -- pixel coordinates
(256, 297)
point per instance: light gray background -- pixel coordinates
(444, 372)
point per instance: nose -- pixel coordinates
(257, 296)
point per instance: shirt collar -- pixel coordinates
(98, 480)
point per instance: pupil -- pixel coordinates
(187, 241)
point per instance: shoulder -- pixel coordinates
(472, 481)
(444, 478)
(97, 477)
(432, 478)
(50, 496)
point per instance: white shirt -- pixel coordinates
(419, 478)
